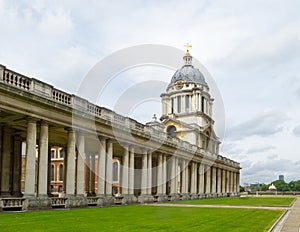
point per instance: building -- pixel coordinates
(73, 157)
(281, 177)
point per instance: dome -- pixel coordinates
(190, 74)
(272, 187)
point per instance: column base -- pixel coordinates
(194, 196)
(160, 198)
(145, 199)
(173, 197)
(76, 201)
(129, 199)
(184, 196)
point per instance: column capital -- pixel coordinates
(69, 129)
(44, 123)
(31, 119)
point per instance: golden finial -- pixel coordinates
(188, 46)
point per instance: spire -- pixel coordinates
(187, 57)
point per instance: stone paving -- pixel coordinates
(292, 222)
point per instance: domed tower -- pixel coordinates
(187, 107)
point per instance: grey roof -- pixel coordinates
(190, 74)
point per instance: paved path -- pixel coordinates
(292, 223)
(224, 206)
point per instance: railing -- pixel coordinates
(61, 97)
(12, 203)
(92, 201)
(16, 80)
(58, 202)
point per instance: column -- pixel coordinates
(208, 180)
(92, 174)
(88, 174)
(80, 165)
(237, 182)
(70, 175)
(173, 175)
(193, 178)
(234, 182)
(109, 164)
(131, 171)
(176, 175)
(201, 179)
(213, 180)
(43, 159)
(101, 166)
(149, 173)
(227, 181)
(144, 173)
(183, 178)
(17, 166)
(6, 162)
(164, 174)
(30, 158)
(125, 173)
(219, 181)
(223, 181)
(159, 174)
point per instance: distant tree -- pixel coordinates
(242, 189)
(264, 187)
(281, 185)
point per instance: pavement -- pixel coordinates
(292, 220)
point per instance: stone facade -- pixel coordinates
(166, 168)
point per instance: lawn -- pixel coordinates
(249, 201)
(141, 218)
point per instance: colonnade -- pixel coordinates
(158, 174)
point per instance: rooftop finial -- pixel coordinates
(188, 46)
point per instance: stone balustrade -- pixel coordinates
(58, 202)
(12, 203)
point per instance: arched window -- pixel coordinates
(52, 173)
(61, 153)
(171, 130)
(52, 154)
(61, 172)
(116, 171)
(187, 103)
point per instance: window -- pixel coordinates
(61, 153)
(52, 154)
(61, 172)
(60, 189)
(187, 103)
(172, 105)
(171, 130)
(202, 104)
(178, 104)
(115, 171)
(52, 173)
(51, 188)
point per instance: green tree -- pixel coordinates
(281, 185)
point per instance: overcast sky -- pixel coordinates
(251, 48)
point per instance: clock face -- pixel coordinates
(179, 84)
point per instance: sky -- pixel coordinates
(250, 48)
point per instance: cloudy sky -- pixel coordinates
(251, 48)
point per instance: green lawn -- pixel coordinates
(141, 218)
(251, 201)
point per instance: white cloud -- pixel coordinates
(252, 52)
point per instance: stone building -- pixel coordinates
(172, 159)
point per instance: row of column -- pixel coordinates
(171, 174)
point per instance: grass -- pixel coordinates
(141, 218)
(246, 201)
